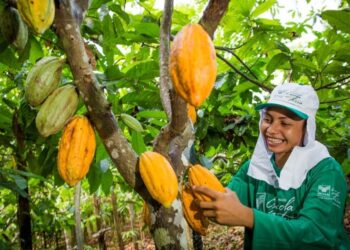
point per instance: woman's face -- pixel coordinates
(282, 131)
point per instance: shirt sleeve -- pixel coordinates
(319, 223)
(239, 184)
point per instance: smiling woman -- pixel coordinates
(285, 195)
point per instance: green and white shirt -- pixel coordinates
(308, 217)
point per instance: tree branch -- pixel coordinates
(259, 84)
(336, 100)
(213, 14)
(333, 83)
(120, 151)
(238, 58)
(164, 56)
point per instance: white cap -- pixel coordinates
(302, 100)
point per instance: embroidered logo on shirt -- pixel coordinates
(326, 192)
(279, 206)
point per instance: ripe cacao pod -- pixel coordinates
(42, 79)
(56, 110)
(159, 177)
(37, 14)
(192, 213)
(76, 150)
(193, 64)
(191, 112)
(201, 176)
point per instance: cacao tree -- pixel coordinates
(118, 61)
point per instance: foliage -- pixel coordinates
(255, 53)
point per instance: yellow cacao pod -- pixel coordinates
(37, 14)
(159, 177)
(76, 150)
(42, 79)
(193, 64)
(191, 112)
(192, 213)
(201, 176)
(56, 110)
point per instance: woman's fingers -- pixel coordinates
(207, 191)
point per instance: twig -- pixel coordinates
(244, 75)
(238, 58)
(337, 100)
(333, 83)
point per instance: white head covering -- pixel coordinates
(303, 101)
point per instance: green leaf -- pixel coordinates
(303, 63)
(262, 8)
(338, 19)
(146, 98)
(269, 24)
(5, 118)
(107, 182)
(137, 142)
(144, 70)
(148, 29)
(94, 177)
(151, 114)
(277, 62)
(20, 181)
(117, 9)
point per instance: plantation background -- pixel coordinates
(255, 51)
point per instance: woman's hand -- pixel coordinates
(225, 208)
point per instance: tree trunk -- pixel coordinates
(116, 219)
(132, 220)
(78, 232)
(168, 227)
(23, 211)
(97, 212)
(67, 239)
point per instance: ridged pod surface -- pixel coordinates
(193, 64)
(191, 112)
(159, 177)
(22, 34)
(201, 176)
(37, 14)
(76, 150)
(42, 79)
(193, 214)
(56, 110)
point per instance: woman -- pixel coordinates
(292, 193)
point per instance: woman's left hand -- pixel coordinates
(225, 208)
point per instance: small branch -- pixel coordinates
(164, 57)
(337, 100)
(333, 83)
(238, 58)
(244, 75)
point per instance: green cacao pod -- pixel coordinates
(131, 122)
(9, 24)
(42, 79)
(22, 34)
(38, 14)
(56, 110)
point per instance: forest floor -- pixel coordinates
(221, 237)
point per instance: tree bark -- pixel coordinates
(168, 226)
(97, 212)
(116, 219)
(23, 210)
(78, 232)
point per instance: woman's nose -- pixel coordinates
(272, 128)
